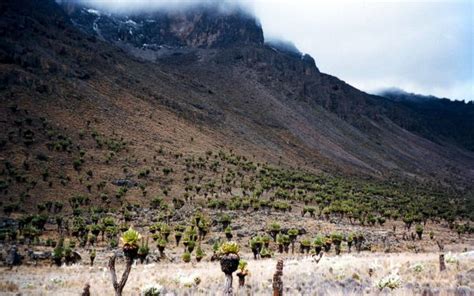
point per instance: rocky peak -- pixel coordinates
(204, 26)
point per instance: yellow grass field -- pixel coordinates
(348, 274)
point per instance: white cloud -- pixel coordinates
(424, 47)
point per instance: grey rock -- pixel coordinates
(13, 257)
(125, 183)
(35, 255)
(463, 291)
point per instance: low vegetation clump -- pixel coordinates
(130, 242)
(229, 260)
(229, 248)
(152, 290)
(391, 281)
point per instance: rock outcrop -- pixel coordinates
(203, 26)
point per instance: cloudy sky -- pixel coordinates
(425, 47)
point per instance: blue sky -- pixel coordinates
(424, 47)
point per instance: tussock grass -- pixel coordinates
(334, 275)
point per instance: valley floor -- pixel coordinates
(348, 274)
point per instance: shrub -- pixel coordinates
(8, 209)
(130, 239)
(305, 242)
(225, 220)
(274, 229)
(408, 219)
(121, 192)
(108, 221)
(161, 246)
(318, 241)
(200, 253)
(293, 232)
(265, 253)
(450, 258)
(381, 220)
(124, 226)
(113, 243)
(242, 265)
(337, 238)
(92, 239)
(274, 226)
(350, 237)
(156, 202)
(310, 210)
(190, 245)
(305, 245)
(186, 257)
(95, 229)
(418, 267)
(152, 290)
(143, 250)
(216, 246)
(216, 204)
(58, 252)
(190, 234)
(77, 163)
(266, 240)
(419, 230)
(143, 173)
(229, 248)
(391, 281)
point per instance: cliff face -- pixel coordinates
(199, 27)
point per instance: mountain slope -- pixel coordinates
(209, 90)
(438, 118)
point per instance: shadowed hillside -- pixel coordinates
(439, 120)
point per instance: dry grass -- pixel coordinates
(344, 275)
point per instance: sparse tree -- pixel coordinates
(130, 247)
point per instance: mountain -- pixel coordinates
(205, 26)
(440, 120)
(82, 88)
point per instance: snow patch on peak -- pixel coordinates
(93, 11)
(131, 22)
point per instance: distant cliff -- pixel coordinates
(205, 26)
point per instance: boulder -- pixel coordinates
(13, 257)
(125, 183)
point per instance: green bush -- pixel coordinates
(419, 230)
(337, 237)
(242, 265)
(293, 232)
(186, 257)
(229, 248)
(199, 252)
(318, 241)
(130, 238)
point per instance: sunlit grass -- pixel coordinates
(347, 274)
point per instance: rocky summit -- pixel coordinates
(199, 26)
